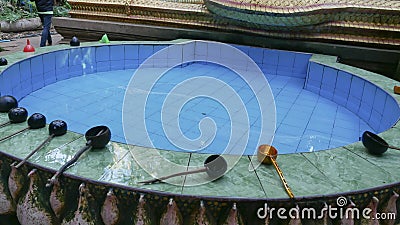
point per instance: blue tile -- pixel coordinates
(11, 76)
(315, 72)
(242, 48)
(349, 134)
(61, 74)
(326, 92)
(271, 58)
(102, 53)
(379, 100)
(75, 57)
(24, 70)
(89, 68)
(145, 51)
(301, 62)
(157, 48)
(343, 81)
(117, 65)
(62, 60)
(117, 52)
(290, 130)
(357, 87)
(17, 92)
(37, 82)
(88, 59)
(368, 93)
(256, 54)
(353, 104)
(131, 64)
(49, 77)
(329, 77)
(365, 111)
(391, 111)
(340, 98)
(26, 85)
(50, 62)
(352, 124)
(286, 59)
(131, 52)
(74, 71)
(103, 66)
(37, 66)
(375, 120)
(314, 88)
(313, 141)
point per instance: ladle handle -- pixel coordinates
(35, 150)
(5, 124)
(393, 147)
(69, 163)
(160, 179)
(285, 184)
(14, 134)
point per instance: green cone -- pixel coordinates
(104, 39)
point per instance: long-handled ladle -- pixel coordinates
(16, 115)
(7, 102)
(96, 138)
(35, 121)
(267, 154)
(375, 144)
(56, 128)
(215, 166)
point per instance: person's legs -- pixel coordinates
(46, 20)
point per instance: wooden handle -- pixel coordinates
(285, 184)
(35, 150)
(69, 163)
(14, 134)
(393, 147)
(5, 124)
(160, 179)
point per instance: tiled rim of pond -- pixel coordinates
(339, 170)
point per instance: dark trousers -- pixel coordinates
(46, 21)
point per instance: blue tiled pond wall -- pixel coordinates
(375, 106)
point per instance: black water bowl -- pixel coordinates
(75, 41)
(3, 62)
(373, 143)
(7, 102)
(17, 115)
(216, 166)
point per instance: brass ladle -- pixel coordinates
(267, 154)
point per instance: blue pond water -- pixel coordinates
(305, 121)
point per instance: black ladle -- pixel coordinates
(7, 102)
(35, 121)
(56, 128)
(16, 115)
(96, 138)
(375, 144)
(215, 166)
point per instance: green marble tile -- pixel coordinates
(55, 143)
(20, 145)
(347, 170)
(389, 161)
(301, 175)
(89, 165)
(237, 182)
(127, 171)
